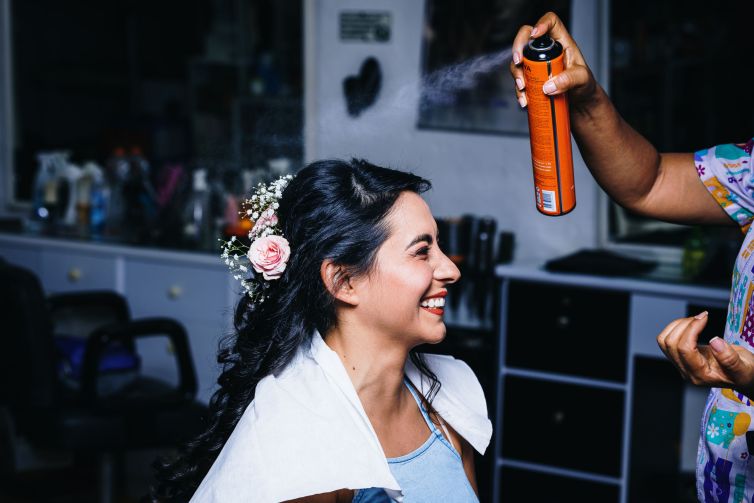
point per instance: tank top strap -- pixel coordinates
(425, 414)
(446, 438)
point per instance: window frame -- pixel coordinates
(666, 255)
(8, 201)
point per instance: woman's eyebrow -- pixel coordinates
(419, 239)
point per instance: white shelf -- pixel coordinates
(562, 378)
(630, 284)
(109, 249)
(554, 470)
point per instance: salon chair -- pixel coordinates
(86, 417)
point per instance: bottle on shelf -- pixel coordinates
(99, 199)
(197, 219)
(83, 197)
(139, 199)
(68, 179)
(46, 193)
(116, 172)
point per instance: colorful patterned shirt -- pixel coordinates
(724, 472)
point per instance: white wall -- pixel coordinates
(471, 173)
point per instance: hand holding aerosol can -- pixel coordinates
(546, 63)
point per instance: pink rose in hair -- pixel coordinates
(268, 219)
(269, 255)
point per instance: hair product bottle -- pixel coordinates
(549, 129)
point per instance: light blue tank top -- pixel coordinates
(433, 472)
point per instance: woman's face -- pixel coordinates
(404, 296)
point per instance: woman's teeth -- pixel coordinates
(438, 302)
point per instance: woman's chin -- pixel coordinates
(434, 336)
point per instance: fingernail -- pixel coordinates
(522, 100)
(520, 84)
(701, 315)
(535, 31)
(549, 87)
(717, 344)
(516, 58)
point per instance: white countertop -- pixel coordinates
(108, 248)
(659, 283)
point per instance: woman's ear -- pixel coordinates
(338, 283)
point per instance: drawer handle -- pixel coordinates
(563, 321)
(558, 417)
(175, 292)
(74, 274)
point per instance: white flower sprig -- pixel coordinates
(265, 260)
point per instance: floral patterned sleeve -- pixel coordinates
(726, 171)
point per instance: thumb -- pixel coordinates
(730, 361)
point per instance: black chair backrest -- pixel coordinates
(81, 313)
(27, 348)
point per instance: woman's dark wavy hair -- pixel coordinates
(332, 210)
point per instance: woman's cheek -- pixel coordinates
(410, 284)
(420, 281)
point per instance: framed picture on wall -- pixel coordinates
(466, 85)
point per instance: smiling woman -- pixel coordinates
(322, 397)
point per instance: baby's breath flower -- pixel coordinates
(261, 205)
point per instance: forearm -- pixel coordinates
(622, 161)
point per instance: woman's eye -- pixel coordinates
(423, 251)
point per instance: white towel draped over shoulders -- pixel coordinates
(306, 431)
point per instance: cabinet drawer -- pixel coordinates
(562, 329)
(564, 425)
(518, 485)
(74, 271)
(24, 256)
(157, 288)
(204, 338)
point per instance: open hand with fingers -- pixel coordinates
(577, 78)
(719, 364)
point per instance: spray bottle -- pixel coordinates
(197, 221)
(549, 129)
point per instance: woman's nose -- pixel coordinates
(446, 271)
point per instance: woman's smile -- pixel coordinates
(435, 304)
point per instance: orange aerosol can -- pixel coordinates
(549, 129)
